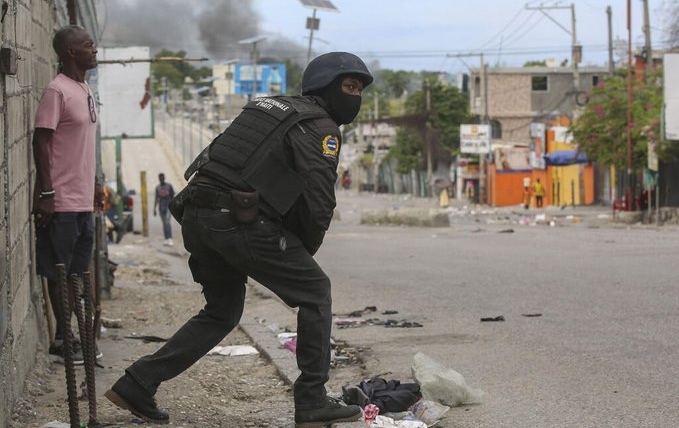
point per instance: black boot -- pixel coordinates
(332, 412)
(127, 394)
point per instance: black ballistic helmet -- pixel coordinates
(322, 70)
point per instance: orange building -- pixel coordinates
(568, 184)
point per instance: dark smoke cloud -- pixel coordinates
(202, 28)
(222, 24)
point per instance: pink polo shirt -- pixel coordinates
(64, 108)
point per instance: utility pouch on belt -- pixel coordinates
(176, 206)
(244, 206)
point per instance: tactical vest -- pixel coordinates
(249, 155)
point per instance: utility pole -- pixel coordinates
(427, 136)
(485, 120)
(576, 50)
(647, 39)
(630, 174)
(611, 65)
(253, 60)
(485, 117)
(313, 23)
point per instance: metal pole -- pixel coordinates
(71, 386)
(611, 64)
(486, 120)
(144, 204)
(647, 36)
(190, 139)
(427, 136)
(119, 182)
(254, 71)
(174, 128)
(657, 199)
(630, 199)
(183, 136)
(311, 36)
(90, 325)
(575, 54)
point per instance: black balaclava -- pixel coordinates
(343, 108)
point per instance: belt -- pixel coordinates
(203, 197)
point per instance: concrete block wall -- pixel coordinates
(509, 95)
(27, 29)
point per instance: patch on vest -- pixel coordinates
(331, 145)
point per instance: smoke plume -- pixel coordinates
(201, 28)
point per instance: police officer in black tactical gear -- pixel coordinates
(258, 203)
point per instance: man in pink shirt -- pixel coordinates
(64, 143)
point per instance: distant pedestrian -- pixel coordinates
(539, 192)
(164, 194)
(65, 194)
(526, 197)
(346, 180)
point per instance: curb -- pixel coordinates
(283, 360)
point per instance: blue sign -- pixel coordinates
(270, 79)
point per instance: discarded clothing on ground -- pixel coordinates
(388, 395)
(360, 312)
(147, 339)
(352, 322)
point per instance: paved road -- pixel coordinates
(602, 353)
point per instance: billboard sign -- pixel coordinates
(475, 139)
(537, 145)
(671, 95)
(270, 78)
(125, 105)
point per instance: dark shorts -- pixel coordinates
(68, 240)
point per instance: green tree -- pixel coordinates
(449, 108)
(394, 83)
(601, 130)
(293, 77)
(407, 151)
(174, 71)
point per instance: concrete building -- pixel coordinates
(224, 83)
(514, 97)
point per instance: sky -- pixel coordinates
(417, 35)
(410, 35)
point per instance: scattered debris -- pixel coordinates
(291, 345)
(401, 324)
(233, 350)
(112, 323)
(353, 319)
(345, 355)
(288, 340)
(360, 312)
(493, 319)
(442, 384)
(147, 339)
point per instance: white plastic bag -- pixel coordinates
(429, 412)
(387, 422)
(442, 384)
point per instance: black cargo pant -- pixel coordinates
(223, 255)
